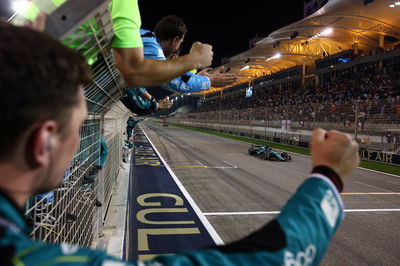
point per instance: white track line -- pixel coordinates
(217, 239)
(238, 213)
(200, 163)
(234, 166)
(361, 183)
(217, 167)
(277, 212)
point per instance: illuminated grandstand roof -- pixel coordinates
(338, 26)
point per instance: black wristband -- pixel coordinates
(329, 173)
(152, 99)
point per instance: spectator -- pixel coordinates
(164, 43)
(103, 152)
(130, 126)
(128, 50)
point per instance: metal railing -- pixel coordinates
(75, 211)
(66, 214)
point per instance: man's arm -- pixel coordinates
(188, 82)
(138, 71)
(128, 50)
(300, 235)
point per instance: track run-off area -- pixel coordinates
(233, 194)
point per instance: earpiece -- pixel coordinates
(48, 144)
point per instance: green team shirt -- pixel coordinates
(125, 18)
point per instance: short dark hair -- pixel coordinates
(39, 81)
(169, 27)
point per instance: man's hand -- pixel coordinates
(334, 149)
(201, 54)
(205, 72)
(38, 24)
(220, 79)
(164, 104)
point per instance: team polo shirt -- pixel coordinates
(126, 21)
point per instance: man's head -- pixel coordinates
(42, 105)
(170, 31)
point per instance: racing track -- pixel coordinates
(230, 187)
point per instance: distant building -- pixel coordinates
(310, 6)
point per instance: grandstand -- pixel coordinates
(338, 68)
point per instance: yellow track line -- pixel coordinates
(370, 193)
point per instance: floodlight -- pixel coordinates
(326, 32)
(20, 6)
(276, 56)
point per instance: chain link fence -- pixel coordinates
(74, 212)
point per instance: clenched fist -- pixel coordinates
(201, 54)
(334, 149)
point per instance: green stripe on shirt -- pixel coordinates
(125, 17)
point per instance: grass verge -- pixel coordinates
(381, 167)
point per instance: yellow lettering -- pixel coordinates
(147, 161)
(378, 157)
(389, 158)
(151, 256)
(368, 155)
(141, 216)
(143, 243)
(141, 199)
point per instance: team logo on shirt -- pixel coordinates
(68, 249)
(302, 258)
(330, 207)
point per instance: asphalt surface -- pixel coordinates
(225, 181)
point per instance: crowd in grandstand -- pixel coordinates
(378, 97)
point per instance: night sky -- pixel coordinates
(227, 25)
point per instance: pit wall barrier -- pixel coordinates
(295, 138)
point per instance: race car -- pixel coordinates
(267, 153)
